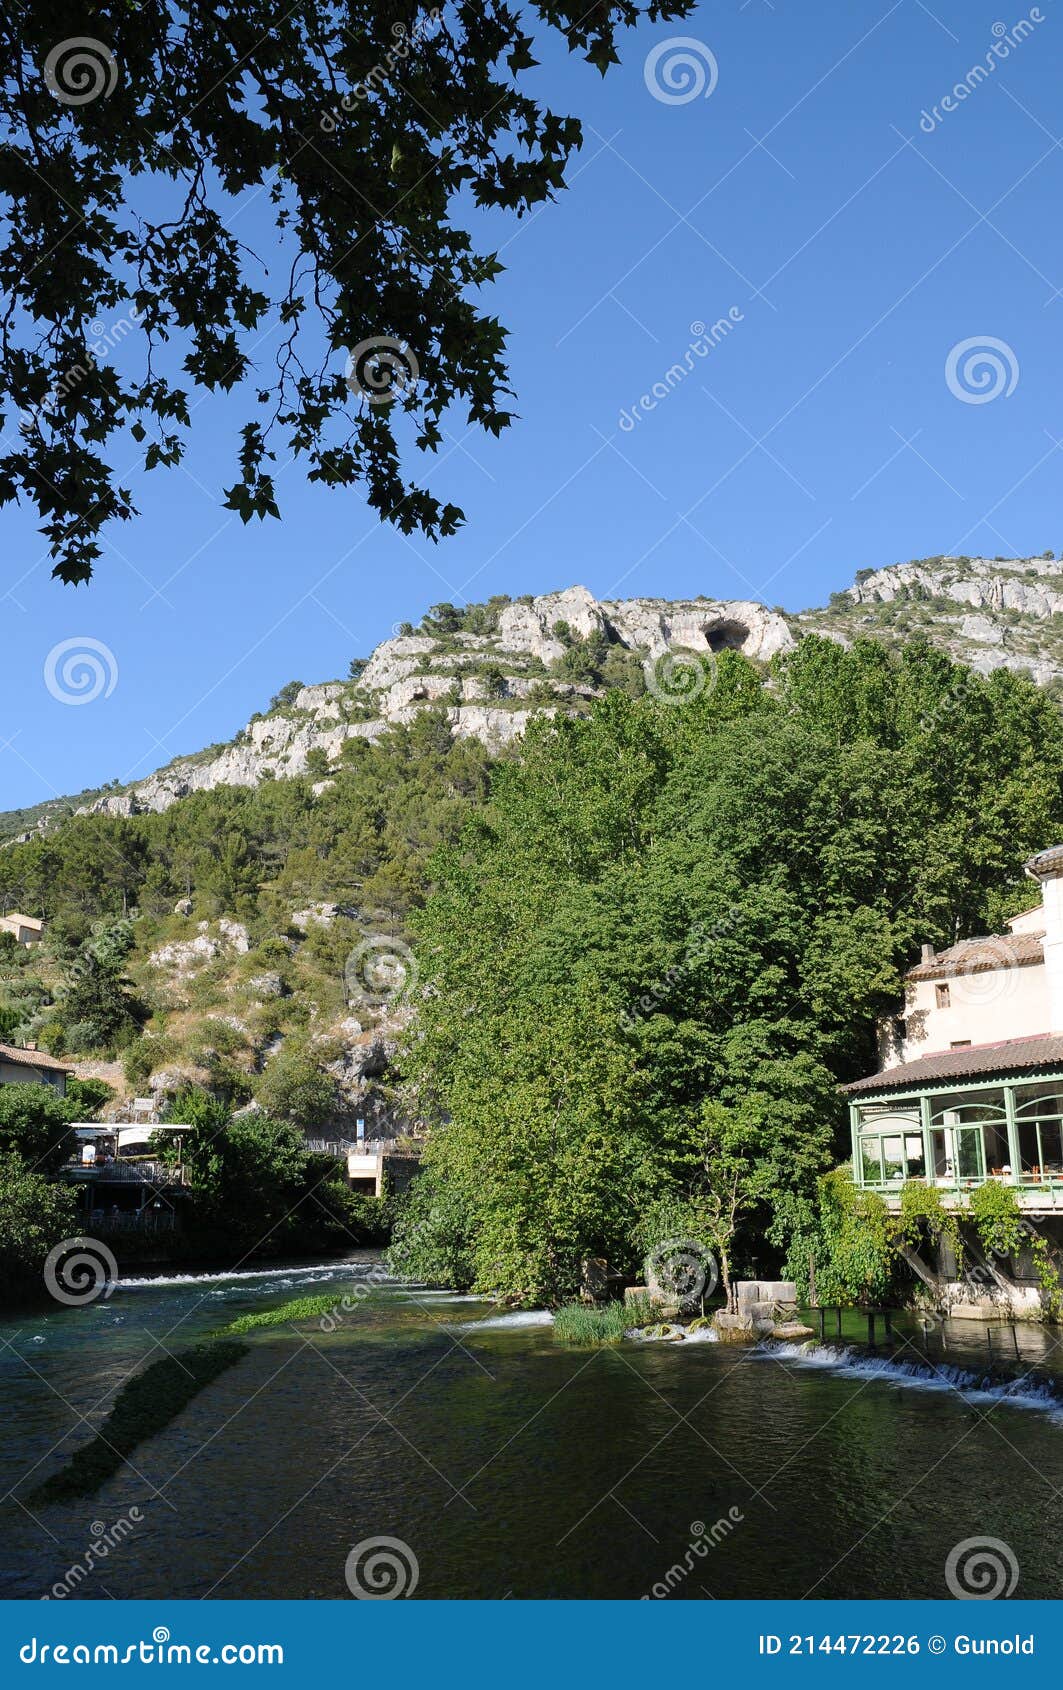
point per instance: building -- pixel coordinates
(971, 1082)
(25, 929)
(970, 1086)
(123, 1182)
(374, 1166)
(20, 1065)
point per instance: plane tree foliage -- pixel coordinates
(671, 930)
(200, 198)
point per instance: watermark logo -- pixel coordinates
(404, 41)
(104, 1539)
(80, 1271)
(80, 670)
(381, 1569)
(1005, 40)
(378, 971)
(705, 337)
(703, 1539)
(683, 1269)
(981, 369)
(80, 70)
(678, 677)
(987, 971)
(352, 1300)
(105, 338)
(679, 70)
(699, 939)
(381, 368)
(981, 1569)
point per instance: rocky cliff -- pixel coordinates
(559, 651)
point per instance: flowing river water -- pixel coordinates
(508, 1465)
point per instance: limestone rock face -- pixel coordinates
(530, 627)
(655, 626)
(180, 955)
(990, 613)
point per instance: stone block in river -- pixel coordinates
(769, 1291)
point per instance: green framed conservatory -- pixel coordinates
(954, 1122)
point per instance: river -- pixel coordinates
(506, 1464)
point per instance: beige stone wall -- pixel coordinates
(983, 1008)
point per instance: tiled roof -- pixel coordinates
(980, 956)
(1045, 1050)
(32, 1058)
(1045, 861)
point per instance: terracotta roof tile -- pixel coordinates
(32, 1058)
(1044, 1050)
(980, 956)
(1045, 861)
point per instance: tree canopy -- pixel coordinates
(368, 130)
(666, 939)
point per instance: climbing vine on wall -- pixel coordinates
(1003, 1230)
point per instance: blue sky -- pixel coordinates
(860, 246)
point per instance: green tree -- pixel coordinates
(728, 889)
(35, 1125)
(373, 126)
(247, 1173)
(35, 1214)
(98, 1008)
(295, 1087)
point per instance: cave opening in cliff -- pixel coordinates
(727, 636)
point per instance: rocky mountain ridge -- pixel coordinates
(558, 651)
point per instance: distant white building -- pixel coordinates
(25, 929)
(971, 1080)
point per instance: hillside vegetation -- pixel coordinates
(613, 965)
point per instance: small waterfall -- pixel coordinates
(507, 1322)
(1023, 1391)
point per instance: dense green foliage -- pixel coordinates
(250, 854)
(651, 952)
(1005, 1232)
(254, 1188)
(667, 906)
(259, 851)
(35, 1125)
(847, 1248)
(853, 1251)
(35, 1214)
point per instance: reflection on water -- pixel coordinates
(509, 1464)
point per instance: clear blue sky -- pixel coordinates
(820, 436)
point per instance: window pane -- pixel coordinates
(969, 1153)
(1051, 1147)
(870, 1161)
